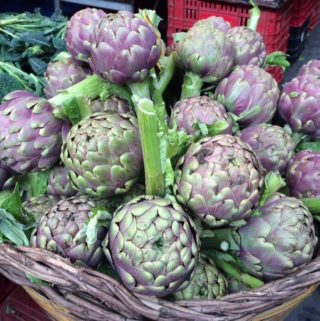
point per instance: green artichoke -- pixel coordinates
(206, 283)
(111, 103)
(219, 179)
(153, 246)
(59, 183)
(207, 52)
(65, 229)
(103, 154)
(279, 241)
(39, 205)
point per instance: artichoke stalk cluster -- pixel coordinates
(167, 197)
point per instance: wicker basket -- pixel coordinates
(84, 294)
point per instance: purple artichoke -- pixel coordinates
(30, 136)
(272, 145)
(219, 179)
(64, 230)
(299, 104)
(206, 52)
(310, 68)
(214, 22)
(280, 241)
(63, 74)
(79, 31)
(153, 245)
(250, 93)
(303, 174)
(111, 103)
(59, 183)
(188, 112)
(7, 179)
(124, 48)
(249, 46)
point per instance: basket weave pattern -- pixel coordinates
(85, 294)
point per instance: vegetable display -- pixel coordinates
(188, 200)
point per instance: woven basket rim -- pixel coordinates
(74, 283)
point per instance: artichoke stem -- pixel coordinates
(150, 142)
(90, 87)
(191, 86)
(254, 16)
(166, 75)
(218, 239)
(140, 89)
(83, 106)
(242, 277)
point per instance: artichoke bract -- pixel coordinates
(60, 231)
(251, 93)
(206, 283)
(207, 52)
(79, 32)
(249, 46)
(111, 103)
(303, 174)
(38, 206)
(219, 180)
(30, 136)
(188, 112)
(310, 68)
(299, 104)
(153, 246)
(279, 241)
(124, 48)
(103, 154)
(59, 184)
(214, 22)
(63, 74)
(7, 179)
(273, 146)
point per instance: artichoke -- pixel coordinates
(62, 230)
(39, 205)
(206, 283)
(273, 146)
(219, 179)
(214, 22)
(299, 104)
(188, 112)
(124, 48)
(30, 136)
(279, 241)
(250, 93)
(248, 45)
(61, 75)
(303, 174)
(103, 154)
(206, 52)
(153, 246)
(59, 184)
(111, 103)
(79, 32)
(7, 180)
(311, 68)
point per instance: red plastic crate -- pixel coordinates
(273, 24)
(301, 11)
(20, 307)
(6, 288)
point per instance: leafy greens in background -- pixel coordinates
(28, 42)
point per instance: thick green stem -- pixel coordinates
(90, 87)
(221, 239)
(150, 141)
(242, 277)
(140, 89)
(192, 85)
(254, 16)
(83, 106)
(166, 75)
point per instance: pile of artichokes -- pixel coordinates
(174, 197)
